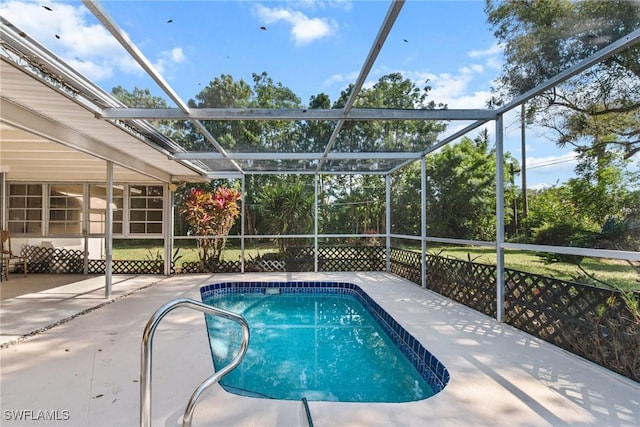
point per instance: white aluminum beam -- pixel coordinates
(588, 252)
(387, 191)
(108, 228)
(355, 114)
(362, 155)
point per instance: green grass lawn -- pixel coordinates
(614, 272)
(185, 254)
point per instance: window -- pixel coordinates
(65, 209)
(145, 209)
(25, 209)
(98, 212)
(137, 209)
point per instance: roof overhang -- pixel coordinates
(49, 130)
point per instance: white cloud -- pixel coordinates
(340, 79)
(552, 161)
(304, 30)
(473, 68)
(494, 50)
(177, 55)
(454, 89)
(88, 48)
(64, 30)
(324, 4)
(494, 63)
(334, 79)
(492, 56)
(95, 70)
(450, 89)
(540, 186)
(169, 59)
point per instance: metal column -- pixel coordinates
(315, 222)
(242, 222)
(423, 220)
(388, 219)
(168, 228)
(499, 218)
(108, 225)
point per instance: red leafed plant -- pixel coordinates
(211, 216)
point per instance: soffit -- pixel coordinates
(29, 158)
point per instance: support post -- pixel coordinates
(242, 224)
(423, 220)
(316, 178)
(85, 229)
(388, 219)
(499, 218)
(523, 167)
(108, 268)
(168, 228)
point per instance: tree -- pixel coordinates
(352, 204)
(142, 98)
(285, 206)
(599, 208)
(316, 133)
(246, 135)
(461, 190)
(406, 203)
(391, 91)
(221, 92)
(596, 111)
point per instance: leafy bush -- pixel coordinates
(211, 214)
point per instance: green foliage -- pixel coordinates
(391, 91)
(620, 234)
(142, 98)
(241, 135)
(461, 177)
(596, 111)
(597, 209)
(157, 256)
(461, 190)
(285, 207)
(211, 216)
(405, 200)
(351, 204)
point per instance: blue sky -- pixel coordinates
(309, 46)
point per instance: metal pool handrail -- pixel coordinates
(147, 349)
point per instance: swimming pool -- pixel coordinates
(319, 340)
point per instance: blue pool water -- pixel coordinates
(320, 342)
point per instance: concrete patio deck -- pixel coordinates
(85, 371)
